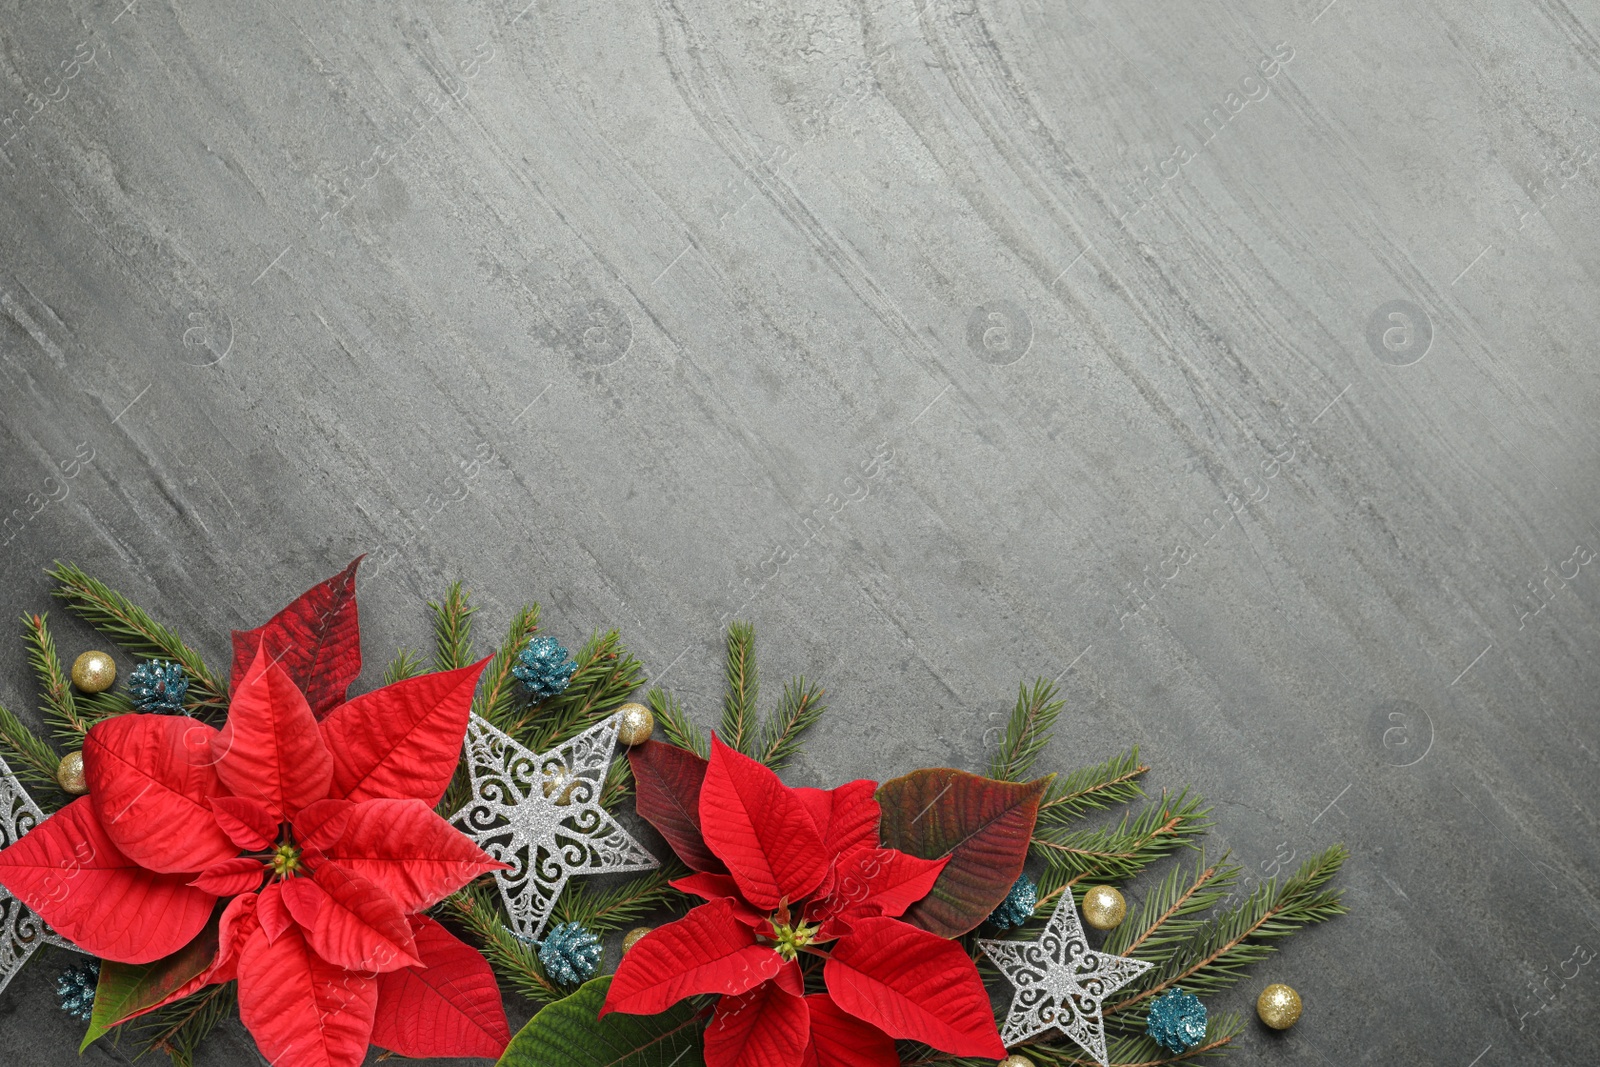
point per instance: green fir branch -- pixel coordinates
(1127, 1050)
(1107, 854)
(1217, 955)
(618, 785)
(1169, 915)
(676, 724)
(1072, 796)
(1027, 732)
(516, 961)
(621, 905)
(59, 708)
(139, 635)
(103, 705)
(499, 694)
(406, 664)
(180, 1027)
(452, 629)
(799, 710)
(30, 757)
(740, 720)
(606, 677)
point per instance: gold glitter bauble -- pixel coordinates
(1015, 1060)
(632, 937)
(1278, 1006)
(637, 724)
(93, 672)
(559, 784)
(1104, 908)
(69, 772)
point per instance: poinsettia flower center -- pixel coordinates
(285, 860)
(789, 940)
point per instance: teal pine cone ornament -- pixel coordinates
(544, 668)
(1018, 906)
(570, 954)
(75, 987)
(158, 686)
(1177, 1020)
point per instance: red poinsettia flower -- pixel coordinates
(797, 889)
(323, 835)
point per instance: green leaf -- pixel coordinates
(126, 989)
(983, 825)
(569, 1034)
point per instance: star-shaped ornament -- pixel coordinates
(21, 931)
(541, 813)
(1060, 981)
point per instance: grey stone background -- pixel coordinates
(1229, 362)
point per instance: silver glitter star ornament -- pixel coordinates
(21, 931)
(541, 813)
(1060, 981)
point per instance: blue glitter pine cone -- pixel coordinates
(158, 686)
(1177, 1020)
(544, 668)
(75, 987)
(1018, 906)
(569, 954)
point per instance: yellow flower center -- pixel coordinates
(285, 860)
(789, 940)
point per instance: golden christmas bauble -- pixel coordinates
(559, 784)
(93, 672)
(1278, 1006)
(1103, 907)
(637, 724)
(632, 937)
(69, 772)
(1015, 1060)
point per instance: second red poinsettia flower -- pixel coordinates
(323, 835)
(799, 894)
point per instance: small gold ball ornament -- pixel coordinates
(1015, 1060)
(69, 772)
(559, 784)
(93, 672)
(1103, 907)
(632, 937)
(637, 724)
(1279, 1006)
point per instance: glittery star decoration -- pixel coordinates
(541, 813)
(1060, 981)
(21, 931)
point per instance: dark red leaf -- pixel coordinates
(71, 873)
(766, 1027)
(151, 781)
(404, 740)
(706, 951)
(270, 749)
(449, 1006)
(984, 826)
(914, 985)
(760, 829)
(316, 640)
(667, 780)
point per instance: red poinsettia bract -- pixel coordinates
(324, 836)
(805, 880)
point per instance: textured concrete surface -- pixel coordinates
(1230, 362)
